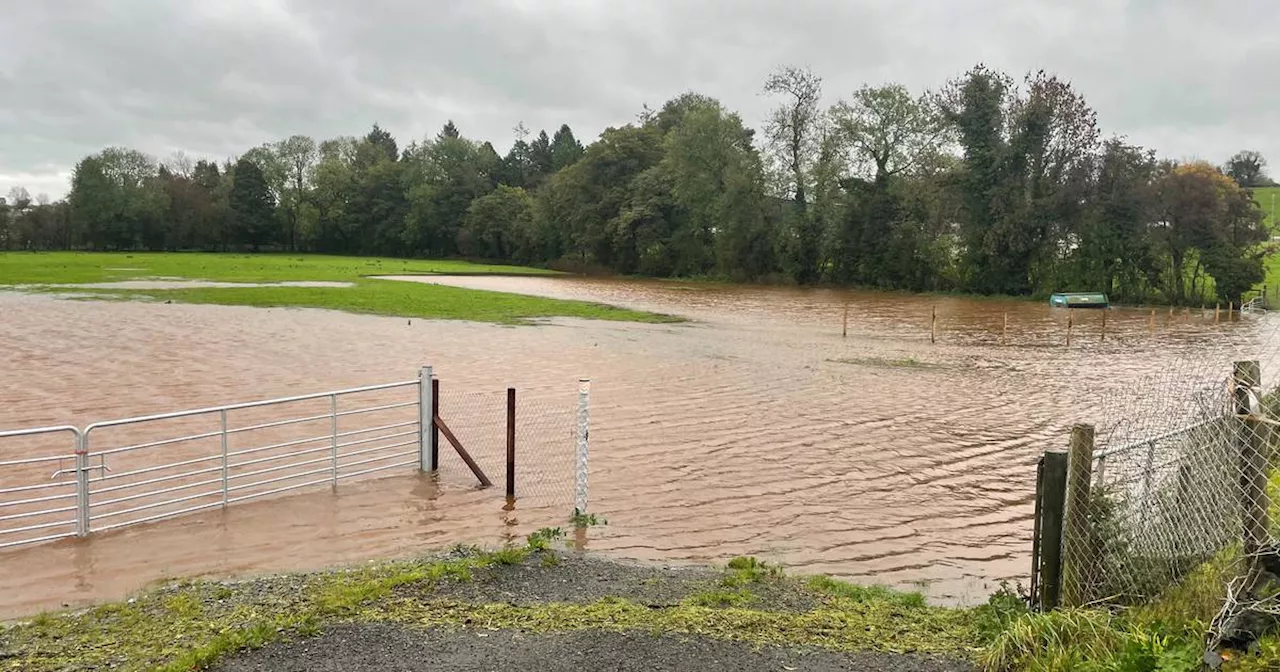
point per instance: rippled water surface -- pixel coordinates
(753, 428)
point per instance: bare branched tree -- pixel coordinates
(791, 128)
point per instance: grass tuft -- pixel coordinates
(721, 598)
(855, 593)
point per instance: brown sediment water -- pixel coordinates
(753, 428)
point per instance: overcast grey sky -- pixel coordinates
(1186, 77)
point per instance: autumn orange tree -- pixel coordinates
(1209, 225)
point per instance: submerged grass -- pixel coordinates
(900, 363)
(56, 271)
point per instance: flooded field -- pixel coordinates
(754, 428)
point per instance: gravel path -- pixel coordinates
(380, 648)
(551, 577)
(585, 578)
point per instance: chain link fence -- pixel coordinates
(1178, 490)
(549, 442)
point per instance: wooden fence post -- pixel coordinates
(1055, 500)
(933, 326)
(1217, 312)
(1037, 517)
(844, 329)
(1246, 378)
(1077, 538)
(1071, 318)
(1104, 324)
(1004, 330)
(511, 442)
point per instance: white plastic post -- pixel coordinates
(580, 480)
(425, 421)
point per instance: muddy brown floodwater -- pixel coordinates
(753, 428)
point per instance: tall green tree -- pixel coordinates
(252, 206)
(888, 133)
(117, 201)
(793, 134)
(499, 225)
(445, 175)
(565, 149)
(1248, 168)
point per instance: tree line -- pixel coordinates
(987, 184)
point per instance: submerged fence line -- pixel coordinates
(88, 483)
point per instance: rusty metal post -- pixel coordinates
(435, 431)
(511, 442)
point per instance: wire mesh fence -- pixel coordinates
(1178, 491)
(546, 465)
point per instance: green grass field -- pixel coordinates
(55, 271)
(1268, 199)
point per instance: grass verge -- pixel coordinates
(56, 271)
(190, 626)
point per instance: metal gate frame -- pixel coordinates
(418, 434)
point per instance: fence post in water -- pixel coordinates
(1151, 322)
(1004, 330)
(844, 327)
(511, 442)
(224, 458)
(1055, 499)
(584, 431)
(1104, 323)
(435, 431)
(1247, 377)
(1076, 535)
(933, 326)
(82, 485)
(1071, 317)
(1037, 516)
(1217, 311)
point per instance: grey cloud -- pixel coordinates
(215, 78)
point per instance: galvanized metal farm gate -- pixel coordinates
(222, 455)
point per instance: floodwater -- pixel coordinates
(753, 428)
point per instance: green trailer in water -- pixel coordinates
(1079, 300)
